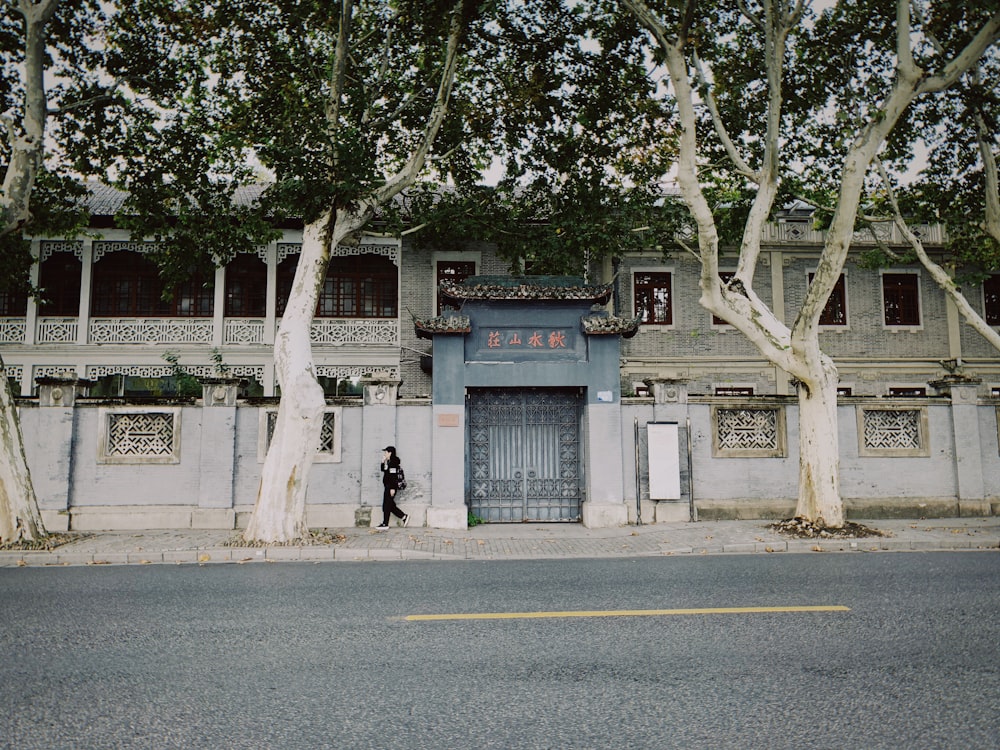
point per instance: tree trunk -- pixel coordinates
(279, 514)
(819, 446)
(20, 519)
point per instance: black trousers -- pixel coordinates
(389, 507)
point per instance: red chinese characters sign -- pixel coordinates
(538, 341)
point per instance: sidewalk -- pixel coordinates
(509, 542)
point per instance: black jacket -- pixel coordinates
(390, 473)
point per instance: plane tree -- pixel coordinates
(771, 99)
(54, 92)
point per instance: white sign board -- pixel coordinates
(664, 461)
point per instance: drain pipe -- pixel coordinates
(638, 489)
(693, 511)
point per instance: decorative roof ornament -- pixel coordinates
(606, 325)
(442, 324)
(525, 288)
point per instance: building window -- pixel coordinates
(356, 286)
(901, 299)
(452, 271)
(246, 287)
(907, 390)
(835, 312)
(59, 277)
(653, 299)
(991, 294)
(128, 285)
(13, 303)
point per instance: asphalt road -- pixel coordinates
(321, 655)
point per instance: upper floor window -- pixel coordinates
(452, 271)
(356, 286)
(653, 299)
(13, 303)
(991, 294)
(835, 311)
(246, 287)
(59, 277)
(127, 284)
(901, 299)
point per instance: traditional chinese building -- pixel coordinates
(511, 397)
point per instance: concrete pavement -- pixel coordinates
(507, 542)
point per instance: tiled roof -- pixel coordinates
(105, 200)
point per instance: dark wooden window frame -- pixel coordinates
(645, 288)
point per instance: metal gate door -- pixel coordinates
(524, 455)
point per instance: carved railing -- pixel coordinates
(151, 331)
(236, 331)
(348, 331)
(12, 330)
(241, 331)
(57, 330)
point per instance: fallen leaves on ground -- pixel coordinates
(801, 528)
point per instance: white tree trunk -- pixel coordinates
(279, 514)
(20, 519)
(819, 447)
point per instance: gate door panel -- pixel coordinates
(524, 458)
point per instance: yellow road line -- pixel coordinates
(623, 613)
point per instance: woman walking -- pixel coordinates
(390, 483)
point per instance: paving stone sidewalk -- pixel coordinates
(509, 542)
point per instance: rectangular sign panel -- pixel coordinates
(664, 458)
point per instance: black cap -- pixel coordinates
(390, 448)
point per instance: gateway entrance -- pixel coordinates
(524, 454)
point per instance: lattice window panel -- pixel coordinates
(748, 432)
(747, 429)
(329, 437)
(140, 436)
(892, 429)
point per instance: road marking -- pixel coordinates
(623, 613)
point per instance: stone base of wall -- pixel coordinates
(144, 517)
(604, 516)
(855, 508)
(745, 509)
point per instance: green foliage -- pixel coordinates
(186, 383)
(474, 520)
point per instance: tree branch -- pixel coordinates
(939, 274)
(408, 174)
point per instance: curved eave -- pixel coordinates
(442, 326)
(610, 326)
